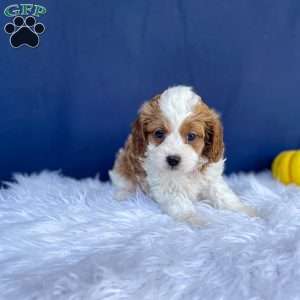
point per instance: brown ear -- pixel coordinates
(138, 137)
(214, 146)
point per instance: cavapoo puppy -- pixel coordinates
(175, 154)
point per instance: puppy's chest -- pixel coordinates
(192, 186)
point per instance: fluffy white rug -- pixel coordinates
(66, 239)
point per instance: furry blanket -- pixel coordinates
(66, 239)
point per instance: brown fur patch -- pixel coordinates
(193, 124)
(205, 123)
(213, 137)
(129, 159)
(152, 119)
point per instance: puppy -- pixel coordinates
(175, 154)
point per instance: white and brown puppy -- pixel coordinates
(175, 154)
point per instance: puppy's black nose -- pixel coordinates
(173, 160)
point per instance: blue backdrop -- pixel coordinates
(68, 103)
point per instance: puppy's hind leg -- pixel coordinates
(223, 197)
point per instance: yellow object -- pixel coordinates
(286, 167)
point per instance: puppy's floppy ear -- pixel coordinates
(138, 137)
(214, 145)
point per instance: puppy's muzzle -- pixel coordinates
(173, 160)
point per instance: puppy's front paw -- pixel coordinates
(249, 211)
(192, 219)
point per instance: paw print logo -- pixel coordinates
(24, 32)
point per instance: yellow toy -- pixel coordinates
(286, 167)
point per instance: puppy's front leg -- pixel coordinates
(223, 197)
(179, 207)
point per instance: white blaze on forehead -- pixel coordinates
(176, 103)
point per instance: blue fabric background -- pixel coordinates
(68, 104)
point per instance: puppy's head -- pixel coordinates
(177, 131)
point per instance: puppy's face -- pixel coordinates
(177, 132)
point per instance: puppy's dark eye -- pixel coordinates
(191, 136)
(159, 134)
